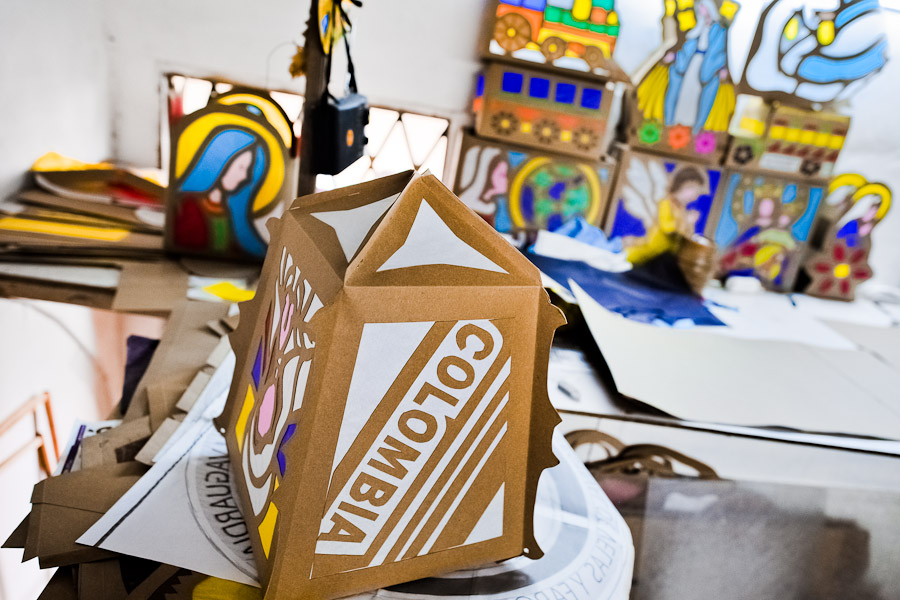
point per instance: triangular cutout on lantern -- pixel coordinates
(354, 224)
(430, 241)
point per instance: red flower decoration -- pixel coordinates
(837, 270)
(679, 137)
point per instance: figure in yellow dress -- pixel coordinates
(661, 201)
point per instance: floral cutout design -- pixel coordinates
(836, 271)
(279, 378)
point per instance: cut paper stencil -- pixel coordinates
(230, 171)
(685, 94)
(548, 112)
(763, 226)
(658, 201)
(815, 51)
(795, 141)
(852, 209)
(518, 189)
(386, 423)
(430, 241)
(568, 34)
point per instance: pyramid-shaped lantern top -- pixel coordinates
(410, 230)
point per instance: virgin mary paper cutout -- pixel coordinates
(388, 418)
(815, 52)
(230, 170)
(686, 96)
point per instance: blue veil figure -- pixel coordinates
(702, 57)
(216, 211)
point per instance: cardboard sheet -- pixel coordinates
(64, 507)
(699, 376)
(150, 287)
(188, 495)
(769, 316)
(185, 346)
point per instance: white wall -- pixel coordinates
(400, 60)
(44, 347)
(53, 69)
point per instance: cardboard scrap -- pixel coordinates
(65, 506)
(61, 586)
(101, 579)
(158, 440)
(391, 381)
(150, 287)
(187, 495)
(115, 445)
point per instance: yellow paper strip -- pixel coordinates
(267, 528)
(228, 292)
(102, 234)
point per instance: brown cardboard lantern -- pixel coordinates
(388, 418)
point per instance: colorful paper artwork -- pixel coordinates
(763, 225)
(842, 260)
(815, 52)
(686, 99)
(575, 34)
(790, 140)
(278, 379)
(545, 111)
(658, 200)
(518, 189)
(230, 171)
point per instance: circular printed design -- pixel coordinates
(546, 193)
(211, 493)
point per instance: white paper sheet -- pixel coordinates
(769, 316)
(860, 311)
(184, 511)
(699, 376)
(95, 277)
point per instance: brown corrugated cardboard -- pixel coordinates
(65, 506)
(150, 287)
(388, 418)
(186, 344)
(550, 112)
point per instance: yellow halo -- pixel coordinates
(848, 179)
(269, 110)
(875, 189)
(197, 132)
